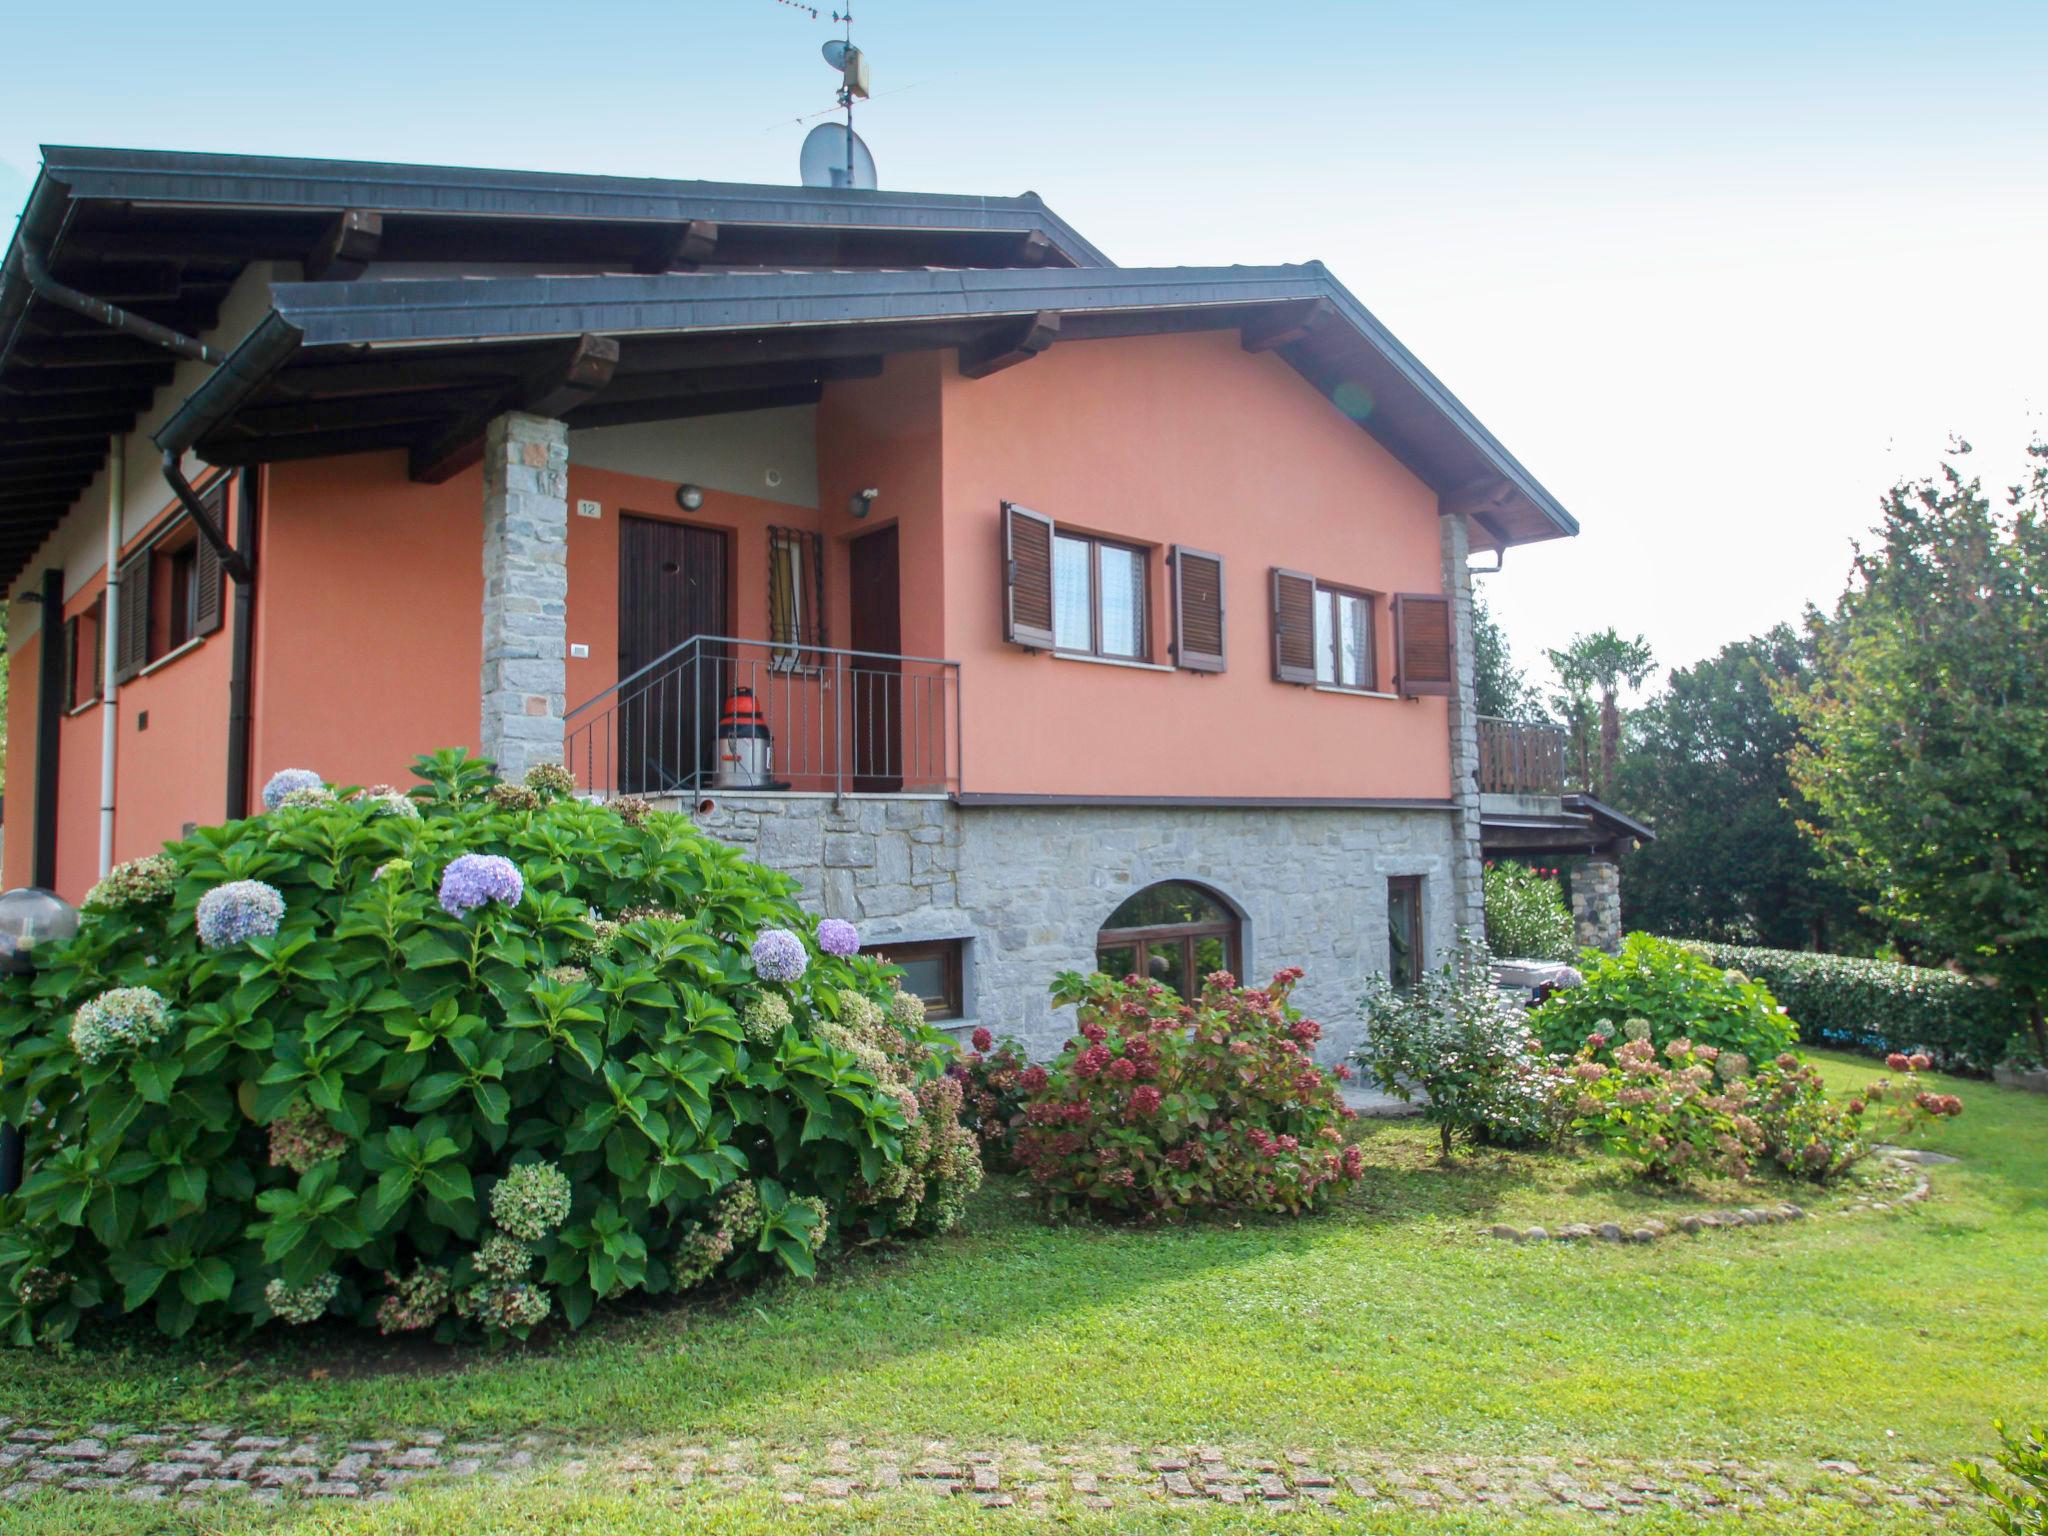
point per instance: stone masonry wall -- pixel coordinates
(1031, 886)
(526, 590)
(1596, 904)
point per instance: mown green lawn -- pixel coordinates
(1387, 1324)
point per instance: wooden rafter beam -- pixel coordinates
(680, 247)
(347, 246)
(1014, 344)
(1286, 325)
(578, 375)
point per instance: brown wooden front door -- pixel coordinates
(672, 588)
(875, 682)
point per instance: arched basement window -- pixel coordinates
(1174, 933)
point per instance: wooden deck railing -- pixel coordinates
(1519, 759)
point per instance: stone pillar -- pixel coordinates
(1596, 903)
(526, 590)
(1468, 889)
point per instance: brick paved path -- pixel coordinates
(191, 1462)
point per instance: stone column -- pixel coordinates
(1468, 890)
(1596, 903)
(526, 590)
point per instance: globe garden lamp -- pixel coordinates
(30, 918)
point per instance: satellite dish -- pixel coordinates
(834, 156)
(835, 51)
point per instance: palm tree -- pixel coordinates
(1601, 663)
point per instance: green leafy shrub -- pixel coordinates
(1881, 1006)
(1527, 916)
(1453, 1038)
(996, 1083)
(453, 1059)
(2019, 1500)
(1676, 992)
(1684, 1114)
(1813, 1136)
(1157, 1107)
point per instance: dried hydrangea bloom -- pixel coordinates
(767, 1016)
(1636, 1029)
(287, 781)
(779, 955)
(531, 1200)
(238, 911)
(300, 799)
(603, 933)
(906, 1011)
(302, 1304)
(418, 1301)
(632, 810)
(37, 1285)
(509, 1308)
(137, 883)
(836, 936)
(475, 879)
(819, 1233)
(389, 801)
(565, 975)
(550, 780)
(504, 1257)
(119, 1022)
(301, 1138)
(512, 797)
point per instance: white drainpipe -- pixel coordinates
(110, 626)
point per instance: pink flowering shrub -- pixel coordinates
(1686, 1114)
(1814, 1137)
(1158, 1106)
(996, 1082)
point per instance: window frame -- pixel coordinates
(1407, 890)
(1096, 544)
(951, 1004)
(1338, 593)
(801, 649)
(95, 614)
(1183, 936)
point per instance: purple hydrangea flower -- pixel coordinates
(285, 780)
(836, 936)
(476, 878)
(779, 955)
(241, 909)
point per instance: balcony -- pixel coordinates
(754, 716)
(1520, 759)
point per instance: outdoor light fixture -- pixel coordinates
(857, 505)
(29, 917)
(689, 497)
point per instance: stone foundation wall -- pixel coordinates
(1031, 886)
(1596, 904)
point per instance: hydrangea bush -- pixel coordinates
(1157, 1106)
(1482, 1072)
(1676, 992)
(1674, 1113)
(472, 1068)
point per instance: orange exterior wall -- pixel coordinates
(167, 774)
(1191, 440)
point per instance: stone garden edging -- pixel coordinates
(1653, 1228)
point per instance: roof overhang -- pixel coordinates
(340, 367)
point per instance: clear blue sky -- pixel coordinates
(1718, 273)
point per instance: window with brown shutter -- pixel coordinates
(207, 577)
(1027, 577)
(131, 640)
(1294, 627)
(1422, 644)
(796, 598)
(1197, 610)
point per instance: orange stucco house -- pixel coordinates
(1082, 611)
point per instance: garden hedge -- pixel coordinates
(469, 1058)
(1881, 1006)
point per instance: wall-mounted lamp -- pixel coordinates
(858, 504)
(689, 497)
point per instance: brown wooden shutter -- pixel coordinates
(131, 645)
(1422, 644)
(1294, 626)
(69, 640)
(1027, 577)
(1197, 609)
(207, 578)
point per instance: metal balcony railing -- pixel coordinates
(838, 721)
(1520, 759)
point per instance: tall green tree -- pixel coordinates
(1598, 666)
(1705, 764)
(1500, 687)
(1925, 749)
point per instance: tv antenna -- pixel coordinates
(833, 154)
